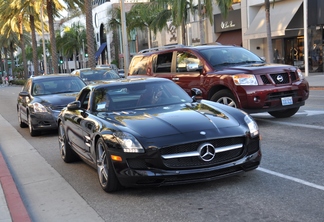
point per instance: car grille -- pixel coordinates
(279, 78)
(188, 162)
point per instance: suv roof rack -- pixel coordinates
(162, 47)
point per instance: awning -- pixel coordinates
(231, 38)
(100, 50)
(280, 16)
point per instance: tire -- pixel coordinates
(21, 123)
(225, 97)
(284, 113)
(30, 126)
(106, 175)
(67, 153)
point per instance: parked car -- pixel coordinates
(150, 132)
(97, 74)
(43, 97)
(227, 74)
(121, 73)
(110, 66)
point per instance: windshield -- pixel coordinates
(229, 56)
(56, 85)
(99, 74)
(138, 95)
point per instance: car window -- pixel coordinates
(163, 63)
(99, 74)
(138, 65)
(183, 61)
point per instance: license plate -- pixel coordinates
(286, 101)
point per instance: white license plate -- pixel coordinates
(286, 101)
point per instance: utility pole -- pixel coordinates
(124, 35)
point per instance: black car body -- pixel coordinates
(176, 140)
(39, 109)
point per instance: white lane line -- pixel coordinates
(292, 124)
(304, 182)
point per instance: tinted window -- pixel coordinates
(163, 63)
(184, 59)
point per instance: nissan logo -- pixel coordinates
(279, 78)
(206, 152)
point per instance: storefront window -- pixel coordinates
(316, 49)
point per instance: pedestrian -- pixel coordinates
(6, 80)
(10, 80)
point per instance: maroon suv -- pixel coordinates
(228, 74)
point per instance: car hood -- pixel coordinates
(185, 120)
(57, 100)
(259, 68)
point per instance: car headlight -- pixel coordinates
(300, 74)
(39, 108)
(245, 80)
(253, 126)
(129, 143)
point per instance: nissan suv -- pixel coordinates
(227, 74)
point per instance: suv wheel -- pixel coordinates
(284, 113)
(225, 97)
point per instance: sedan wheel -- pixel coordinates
(107, 177)
(67, 154)
(21, 123)
(224, 97)
(30, 126)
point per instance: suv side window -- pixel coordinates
(185, 58)
(138, 65)
(162, 63)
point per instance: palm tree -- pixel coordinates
(268, 27)
(90, 34)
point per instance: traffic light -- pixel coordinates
(61, 60)
(86, 55)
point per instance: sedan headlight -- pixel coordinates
(253, 126)
(129, 143)
(245, 80)
(39, 108)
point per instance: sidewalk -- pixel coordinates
(38, 192)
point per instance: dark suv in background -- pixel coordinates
(227, 74)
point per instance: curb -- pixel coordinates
(15, 204)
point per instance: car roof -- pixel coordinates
(164, 49)
(52, 76)
(123, 81)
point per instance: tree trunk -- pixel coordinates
(268, 26)
(34, 45)
(201, 24)
(90, 34)
(49, 8)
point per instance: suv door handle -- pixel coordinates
(175, 79)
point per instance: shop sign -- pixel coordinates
(230, 23)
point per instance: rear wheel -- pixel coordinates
(284, 113)
(30, 126)
(225, 97)
(67, 154)
(107, 177)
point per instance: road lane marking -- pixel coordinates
(304, 182)
(292, 124)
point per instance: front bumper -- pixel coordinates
(129, 177)
(44, 121)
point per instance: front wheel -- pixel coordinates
(107, 177)
(30, 126)
(21, 123)
(67, 154)
(284, 113)
(225, 97)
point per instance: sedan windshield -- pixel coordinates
(138, 95)
(230, 56)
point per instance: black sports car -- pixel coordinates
(149, 132)
(43, 97)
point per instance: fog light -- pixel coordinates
(116, 158)
(256, 99)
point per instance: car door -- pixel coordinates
(188, 71)
(23, 101)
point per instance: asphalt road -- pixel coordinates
(288, 185)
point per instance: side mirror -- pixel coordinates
(24, 93)
(75, 105)
(193, 67)
(196, 94)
